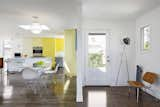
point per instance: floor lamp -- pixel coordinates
(126, 42)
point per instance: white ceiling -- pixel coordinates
(117, 9)
(57, 14)
(63, 14)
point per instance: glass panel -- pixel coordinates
(146, 33)
(97, 52)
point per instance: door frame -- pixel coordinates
(108, 69)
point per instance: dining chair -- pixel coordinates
(47, 76)
(52, 71)
(31, 79)
(148, 77)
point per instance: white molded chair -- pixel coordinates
(52, 71)
(47, 77)
(29, 74)
(31, 78)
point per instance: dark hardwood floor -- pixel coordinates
(116, 97)
(61, 92)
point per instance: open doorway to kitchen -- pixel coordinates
(41, 68)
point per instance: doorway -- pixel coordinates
(98, 59)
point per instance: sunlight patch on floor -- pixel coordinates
(97, 99)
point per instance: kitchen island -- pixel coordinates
(18, 64)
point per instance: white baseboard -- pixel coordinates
(119, 84)
(79, 99)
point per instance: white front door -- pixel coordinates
(98, 59)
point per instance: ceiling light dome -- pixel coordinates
(35, 27)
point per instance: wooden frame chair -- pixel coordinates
(148, 77)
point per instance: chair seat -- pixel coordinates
(136, 84)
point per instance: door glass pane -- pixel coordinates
(97, 53)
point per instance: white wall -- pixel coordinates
(7, 31)
(3, 36)
(19, 44)
(118, 30)
(150, 60)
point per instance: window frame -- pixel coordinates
(142, 42)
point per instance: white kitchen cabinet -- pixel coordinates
(18, 64)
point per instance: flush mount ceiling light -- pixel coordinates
(35, 27)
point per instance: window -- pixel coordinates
(146, 38)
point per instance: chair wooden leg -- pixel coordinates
(129, 91)
(137, 95)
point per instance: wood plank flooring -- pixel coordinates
(61, 92)
(117, 97)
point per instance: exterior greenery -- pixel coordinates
(95, 60)
(146, 45)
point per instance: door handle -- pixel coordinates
(108, 59)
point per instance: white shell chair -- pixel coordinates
(32, 79)
(29, 74)
(47, 77)
(52, 71)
